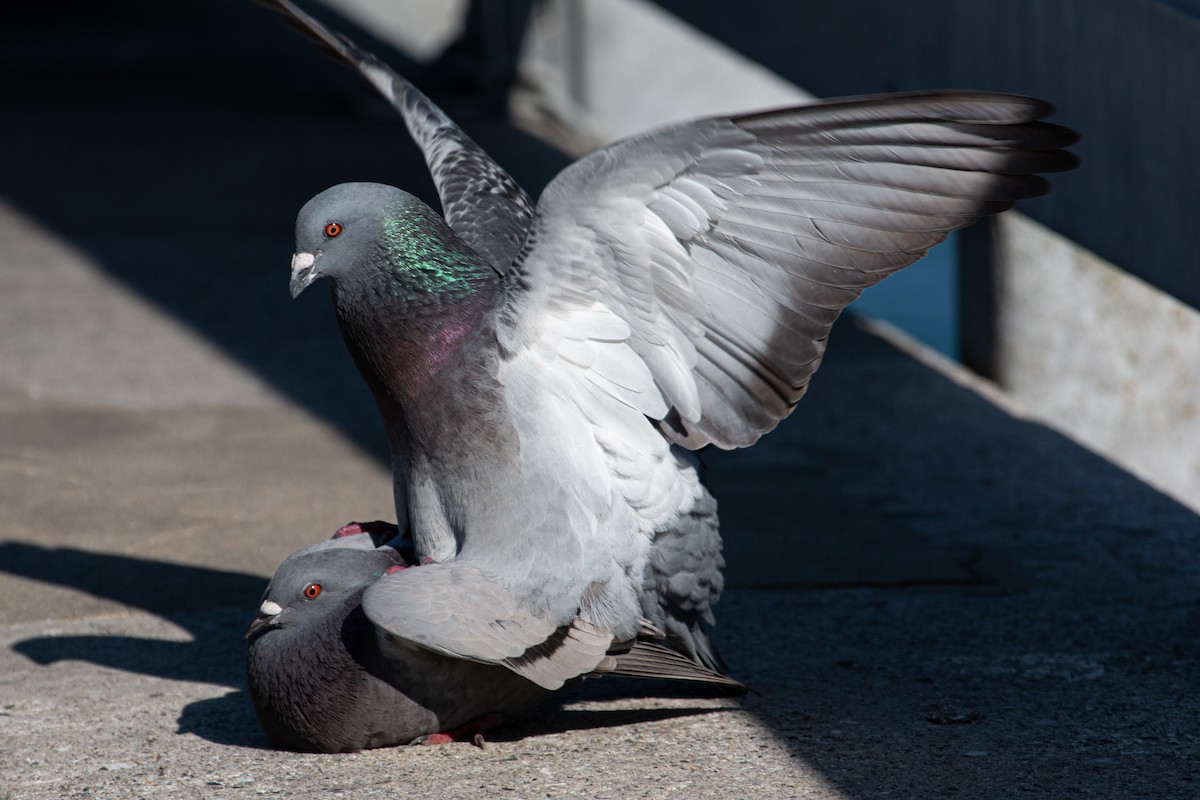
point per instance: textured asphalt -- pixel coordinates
(933, 596)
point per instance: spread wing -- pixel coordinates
(693, 272)
(456, 610)
(481, 202)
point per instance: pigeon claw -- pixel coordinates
(472, 732)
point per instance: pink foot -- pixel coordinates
(380, 531)
(349, 529)
(471, 732)
(434, 738)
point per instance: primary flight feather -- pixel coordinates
(544, 373)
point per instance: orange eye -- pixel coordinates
(312, 591)
(333, 229)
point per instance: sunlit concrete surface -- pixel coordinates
(933, 595)
(1132, 353)
(89, 338)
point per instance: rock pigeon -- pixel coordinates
(327, 673)
(546, 373)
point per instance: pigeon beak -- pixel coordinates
(302, 272)
(268, 618)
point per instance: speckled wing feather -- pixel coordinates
(720, 251)
(481, 202)
(456, 610)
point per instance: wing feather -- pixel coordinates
(728, 246)
(458, 611)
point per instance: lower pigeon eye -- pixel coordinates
(312, 590)
(332, 230)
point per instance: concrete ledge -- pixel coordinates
(610, 68)
(1097, 353)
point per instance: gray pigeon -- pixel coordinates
(545, 375)
(328, 673)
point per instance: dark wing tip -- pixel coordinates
(966, 107)
(334, 45)
(649, 659)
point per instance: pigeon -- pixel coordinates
(546, 373)
(326, 673)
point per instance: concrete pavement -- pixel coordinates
(934, 596)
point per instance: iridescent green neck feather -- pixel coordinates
(414, 305)
(424, 261)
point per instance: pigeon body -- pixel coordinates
(670, 291)
(326, 673)
(419, 311)
(324, 679)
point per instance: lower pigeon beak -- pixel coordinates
(268, 618)
(302, 272)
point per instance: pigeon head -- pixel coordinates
(407, 291)
(305, 650)
(372, 237)
(313, 588)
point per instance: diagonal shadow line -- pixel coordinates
(185, 183)
(159, 587)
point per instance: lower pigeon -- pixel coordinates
(327, 674)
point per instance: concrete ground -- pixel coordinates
(934, 597)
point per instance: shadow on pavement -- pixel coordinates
(179, 592)
(226, 720)
(1045, 641)
(159, 587)
(214, 607)
(174, 143)
(229, 720)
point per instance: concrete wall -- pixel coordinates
(1126, 73)
(1099, 354)
(609, 68)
